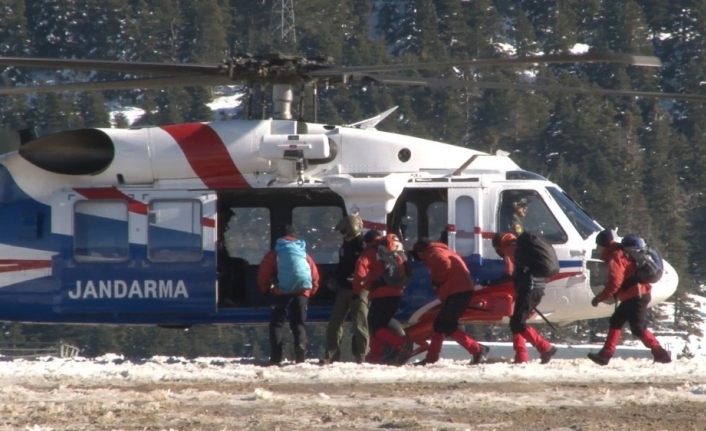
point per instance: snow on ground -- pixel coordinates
(225, 370)
(212, 393)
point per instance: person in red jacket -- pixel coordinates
(384, 302)
(452, 282)
(527, 298)
(294, 300)
(633, 297)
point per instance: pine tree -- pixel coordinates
(92, 110)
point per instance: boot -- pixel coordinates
(536, 340)
(299, 355)
(437, 341)
(520, 347)
(662, 356)
(599, 358)
(603, 357)
(404, 353)
(476, 350)
(658, 352)
(547, 356)
(481, 355)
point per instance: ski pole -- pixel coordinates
(551, 325)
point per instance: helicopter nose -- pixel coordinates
(666, 286)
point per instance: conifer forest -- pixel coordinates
(635, 163)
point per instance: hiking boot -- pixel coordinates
(389, 355)
(663, 357)
(547, 356)
(598, 358)
(405, 352)
(423, 363)
(325, 361)
(273, 363)
(481, 355)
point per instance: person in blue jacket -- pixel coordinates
(289, 274)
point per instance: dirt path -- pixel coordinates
(368, 406)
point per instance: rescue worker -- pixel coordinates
(289, 275)
(384, 302)
(346, 302)
(633, 297)
(453, 285)
(527, 297)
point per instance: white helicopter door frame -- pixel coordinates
(465, 218)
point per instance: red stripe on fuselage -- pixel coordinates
(134, 206)
(207, 155)
(12, 265)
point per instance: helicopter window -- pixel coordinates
(174, 232)
(437, 212)
(247, 234)
(410, 225)
(582, 220)
(315, 225)
(524, 210)
(465, 225)
(101, 231)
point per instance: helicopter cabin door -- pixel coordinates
(130, 252)
(464, 224)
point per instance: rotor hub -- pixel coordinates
(275, 68)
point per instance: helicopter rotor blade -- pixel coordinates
(590, 57)
(438, 83)
(142, 68)
(142, 83)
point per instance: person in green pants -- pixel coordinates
(351, 227)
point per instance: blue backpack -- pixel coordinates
(648, 261)
(293, 271)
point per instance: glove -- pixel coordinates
(595, 301)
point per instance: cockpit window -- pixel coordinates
(524, 210)
(582, 221)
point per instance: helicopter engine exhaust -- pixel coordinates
(74, 152)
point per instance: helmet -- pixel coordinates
(632, 240)
(605, 238)
(350, 226)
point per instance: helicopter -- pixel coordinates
(167, 225)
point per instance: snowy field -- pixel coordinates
(164, 393)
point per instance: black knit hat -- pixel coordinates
(605, 238)
(371, 235)
(289, 230)
(422, 244)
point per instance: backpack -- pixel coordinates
(397, 270)
(293, 271)
(648, 263)
(536, 254)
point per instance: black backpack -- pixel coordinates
(648, 263)
(536, 254)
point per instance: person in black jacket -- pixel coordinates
(351, 227)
